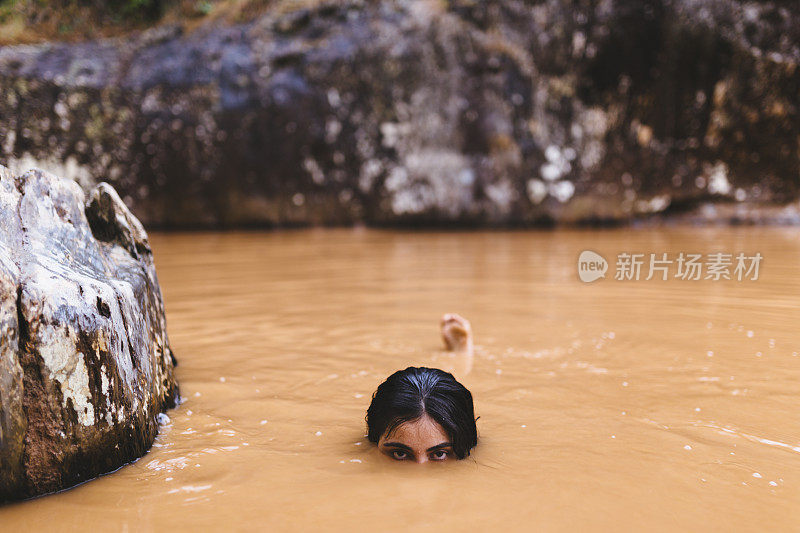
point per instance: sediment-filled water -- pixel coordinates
(649, 404)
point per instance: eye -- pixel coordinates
(439, 455)
(400, 455)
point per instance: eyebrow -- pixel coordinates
(402, 446)
(399, 445)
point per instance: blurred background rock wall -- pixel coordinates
(428, 113)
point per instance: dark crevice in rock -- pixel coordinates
(110, 222)
(103, 308)
(142, 249)
(19, 183)
(106, 230)
(22, 324)
(172, 357)
(134, 362)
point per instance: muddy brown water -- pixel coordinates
(665, 405)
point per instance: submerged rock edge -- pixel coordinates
(85, 361)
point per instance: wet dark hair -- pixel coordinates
(416, 391)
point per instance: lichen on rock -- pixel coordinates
(85, 363)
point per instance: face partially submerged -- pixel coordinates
(422, 414)
(419, 440)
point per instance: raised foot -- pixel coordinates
(456, 332)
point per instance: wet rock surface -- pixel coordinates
(85, 362)
(463, 113)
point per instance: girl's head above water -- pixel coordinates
(422, 414)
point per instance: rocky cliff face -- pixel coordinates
(461, 112)
(85, 362)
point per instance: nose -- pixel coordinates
(422, 458)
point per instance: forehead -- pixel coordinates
(418, 434)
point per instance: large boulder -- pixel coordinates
(85, 362)
(498, 112)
